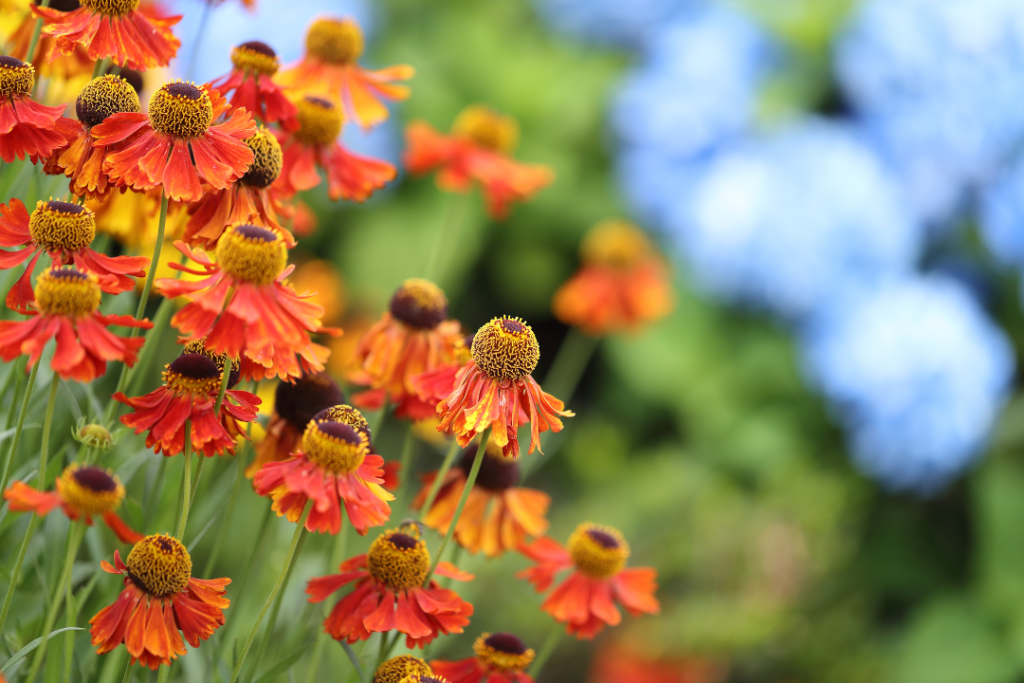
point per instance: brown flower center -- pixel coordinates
(397, 669)
(267, 159)
(180, 109)
(160, 565)
(399, 560)
(62, 226)
(319, 121)
(90, 490)
(503, 652)
(599, 552)
(252, 254)
(105, 96)
(614, 244)
(299, 402)
(335, 446)
(420, 303)
(487, 128)
(67, 291)
(193, 373)
(16, 77)
(255, 56)
(336, 41)
(112, 8)
(506, 348)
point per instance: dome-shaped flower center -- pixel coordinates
(90, 490)
(300, 401)
(506, 348)
(199, 346)
(62, 226)
(497, 473)
(420, 303)
(252, 254)
(61, 5)
(346, 414)
(160, 565)
(16, 77)
(255, 56)
(193, 373)
(133, 77)
(614, 244)
(113, 8)
(336, 41)
(487, 128)
(598, 552)
(319, 121)
(67, 291)
(267, 159)
(399, 560)
(425, 678)
(503, 652)
(396, 669)
(335, 446)
(180, 109)
(105, 96)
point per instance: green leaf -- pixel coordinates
(283, 665)
(23, 652)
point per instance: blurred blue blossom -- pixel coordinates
(939, 84)
(792, 220)
(610, 21)
(1002, 215)
(916, 372)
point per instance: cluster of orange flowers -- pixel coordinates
(226, 160)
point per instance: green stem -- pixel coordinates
(547, 650)
(435, 487)
(272, 622)
(273, 595)
(160, 321)
(186, 481)
(17, 570)
(128, 670)
(63, 586)
(405, 465)
(100, 67)
(260, 534)
(473, 472)
(224, 379)
(321, 641)
(226, 523)
(35, 41)
(13, 451)
(375, 429)
(198, 475)
(447, 233)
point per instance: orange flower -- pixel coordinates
(389, 593)
(251, 199)
(295, 404)
(244, 308)
(495, 390)
(624, 662)
(412, 337)
(82, 493)
(329, 68)
(78, 158)
(622, 284)
(58, 66)
(129, 34)
(160, 598)
(500, 658)
(27, 128)
(175, 146)
(64, 231)
(498, 516)
(478, 150)
(433, 386)
(252, 85)
(191, 386)
(315, 146)
(66, 306)
(334, 467)
(585, 601)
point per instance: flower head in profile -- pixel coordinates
(125, 31)
(27, 128)
(585, 600)
(621, 285)
(333, 467)
(495, 390)
(79, 158)
(295, 404)
(477, 151)
(65, 232)
(330, 68)
(191, 385)
(398, 669)
(243, 307)
(176, 145)
(83, 492)
(500, 658)
(498, 516)
(412, 337)
(314, 145)
(390, 595)
(250, 84)
(161, 603)
(66, 307)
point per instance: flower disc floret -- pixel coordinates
(396, 669)
(345, 414)
(91, 490)
(180, 109)
(506, 348)
(56, 225)
(256, 56)
(335, 446)
(336, 41)
(615, 244)
(67, 291)
(252, 254)
(497, 472)
(425, 678)
(105, 96)
(300, 401)
(319, 121)
(399, 560)
(193, 373)
(160, 565)
(199, 346)
(16, 77)
(420, 303)
(267, 161)
(487, 128)
(503, 652)
(599, 552)
(113, 8)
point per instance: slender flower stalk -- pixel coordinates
(35, 38)
(447, 234)
(435, 487)
(275, 610)
(405, 465)
(211, 561)
(186, 482)
(13, 451)
(546, 650)
(340, 549)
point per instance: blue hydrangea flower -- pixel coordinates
(610, 21)
(1002, 215)
(939, 84)
(790, 221)
(917, 373)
